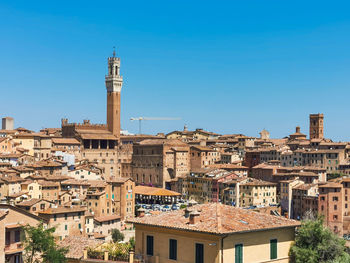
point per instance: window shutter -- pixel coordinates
(239, 253)
(273, 248)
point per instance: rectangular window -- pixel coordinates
(273, 248)
(8, 238)
(199, 253)
(150, 245)
(17, 235)
(239, 253)
(65, 227)
(173, 249)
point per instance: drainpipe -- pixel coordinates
(222, 248)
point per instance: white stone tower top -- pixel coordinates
(114, 81)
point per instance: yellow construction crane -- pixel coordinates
(140, 119)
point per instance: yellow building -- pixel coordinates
(255, 192)
(26, 141)
(213, 233)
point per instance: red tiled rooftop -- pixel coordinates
(147, 190)
(217, 219)
(107, 218)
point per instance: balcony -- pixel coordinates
(13, 248)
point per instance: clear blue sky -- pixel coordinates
(225, 66)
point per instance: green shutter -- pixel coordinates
(273, 248)
(239, 253)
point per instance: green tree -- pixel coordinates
(132, 243)
(40, 246)
(315, 243)
(117, 235)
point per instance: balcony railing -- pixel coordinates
(14, 247)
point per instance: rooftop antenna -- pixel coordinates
(114, 52)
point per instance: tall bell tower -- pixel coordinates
(316, 126)
(114, 83)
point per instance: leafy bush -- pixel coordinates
(117, 235)
(315, 243)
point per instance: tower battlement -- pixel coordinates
(84, 125)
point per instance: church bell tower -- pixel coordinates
(114, 83)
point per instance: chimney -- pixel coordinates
(194, 217)
(297, 129)
(141, 212)
(192, 202)
(187, 212)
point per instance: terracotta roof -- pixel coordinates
(17, 194)
(147, 190)
(217, 219)
(97, 183)
(304, 187)
(171, 142)
(75, 182)
(65, 141)
(11, 155)
(202, 148)
(48, 183)
(77, 244)
(228, 166)
(106, 218)
(118, 179)
(99, 236)
(62, 209)
(98, 136)
(32, 201)
(12, 179)
(330, 185)
(45, 163)
(256, 182)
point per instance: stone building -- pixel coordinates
(114, 196)
(316, 126)
(253, 192)
(98, 144)
(67, 220)
(157, 162)
(330, 204)
(202, 156)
